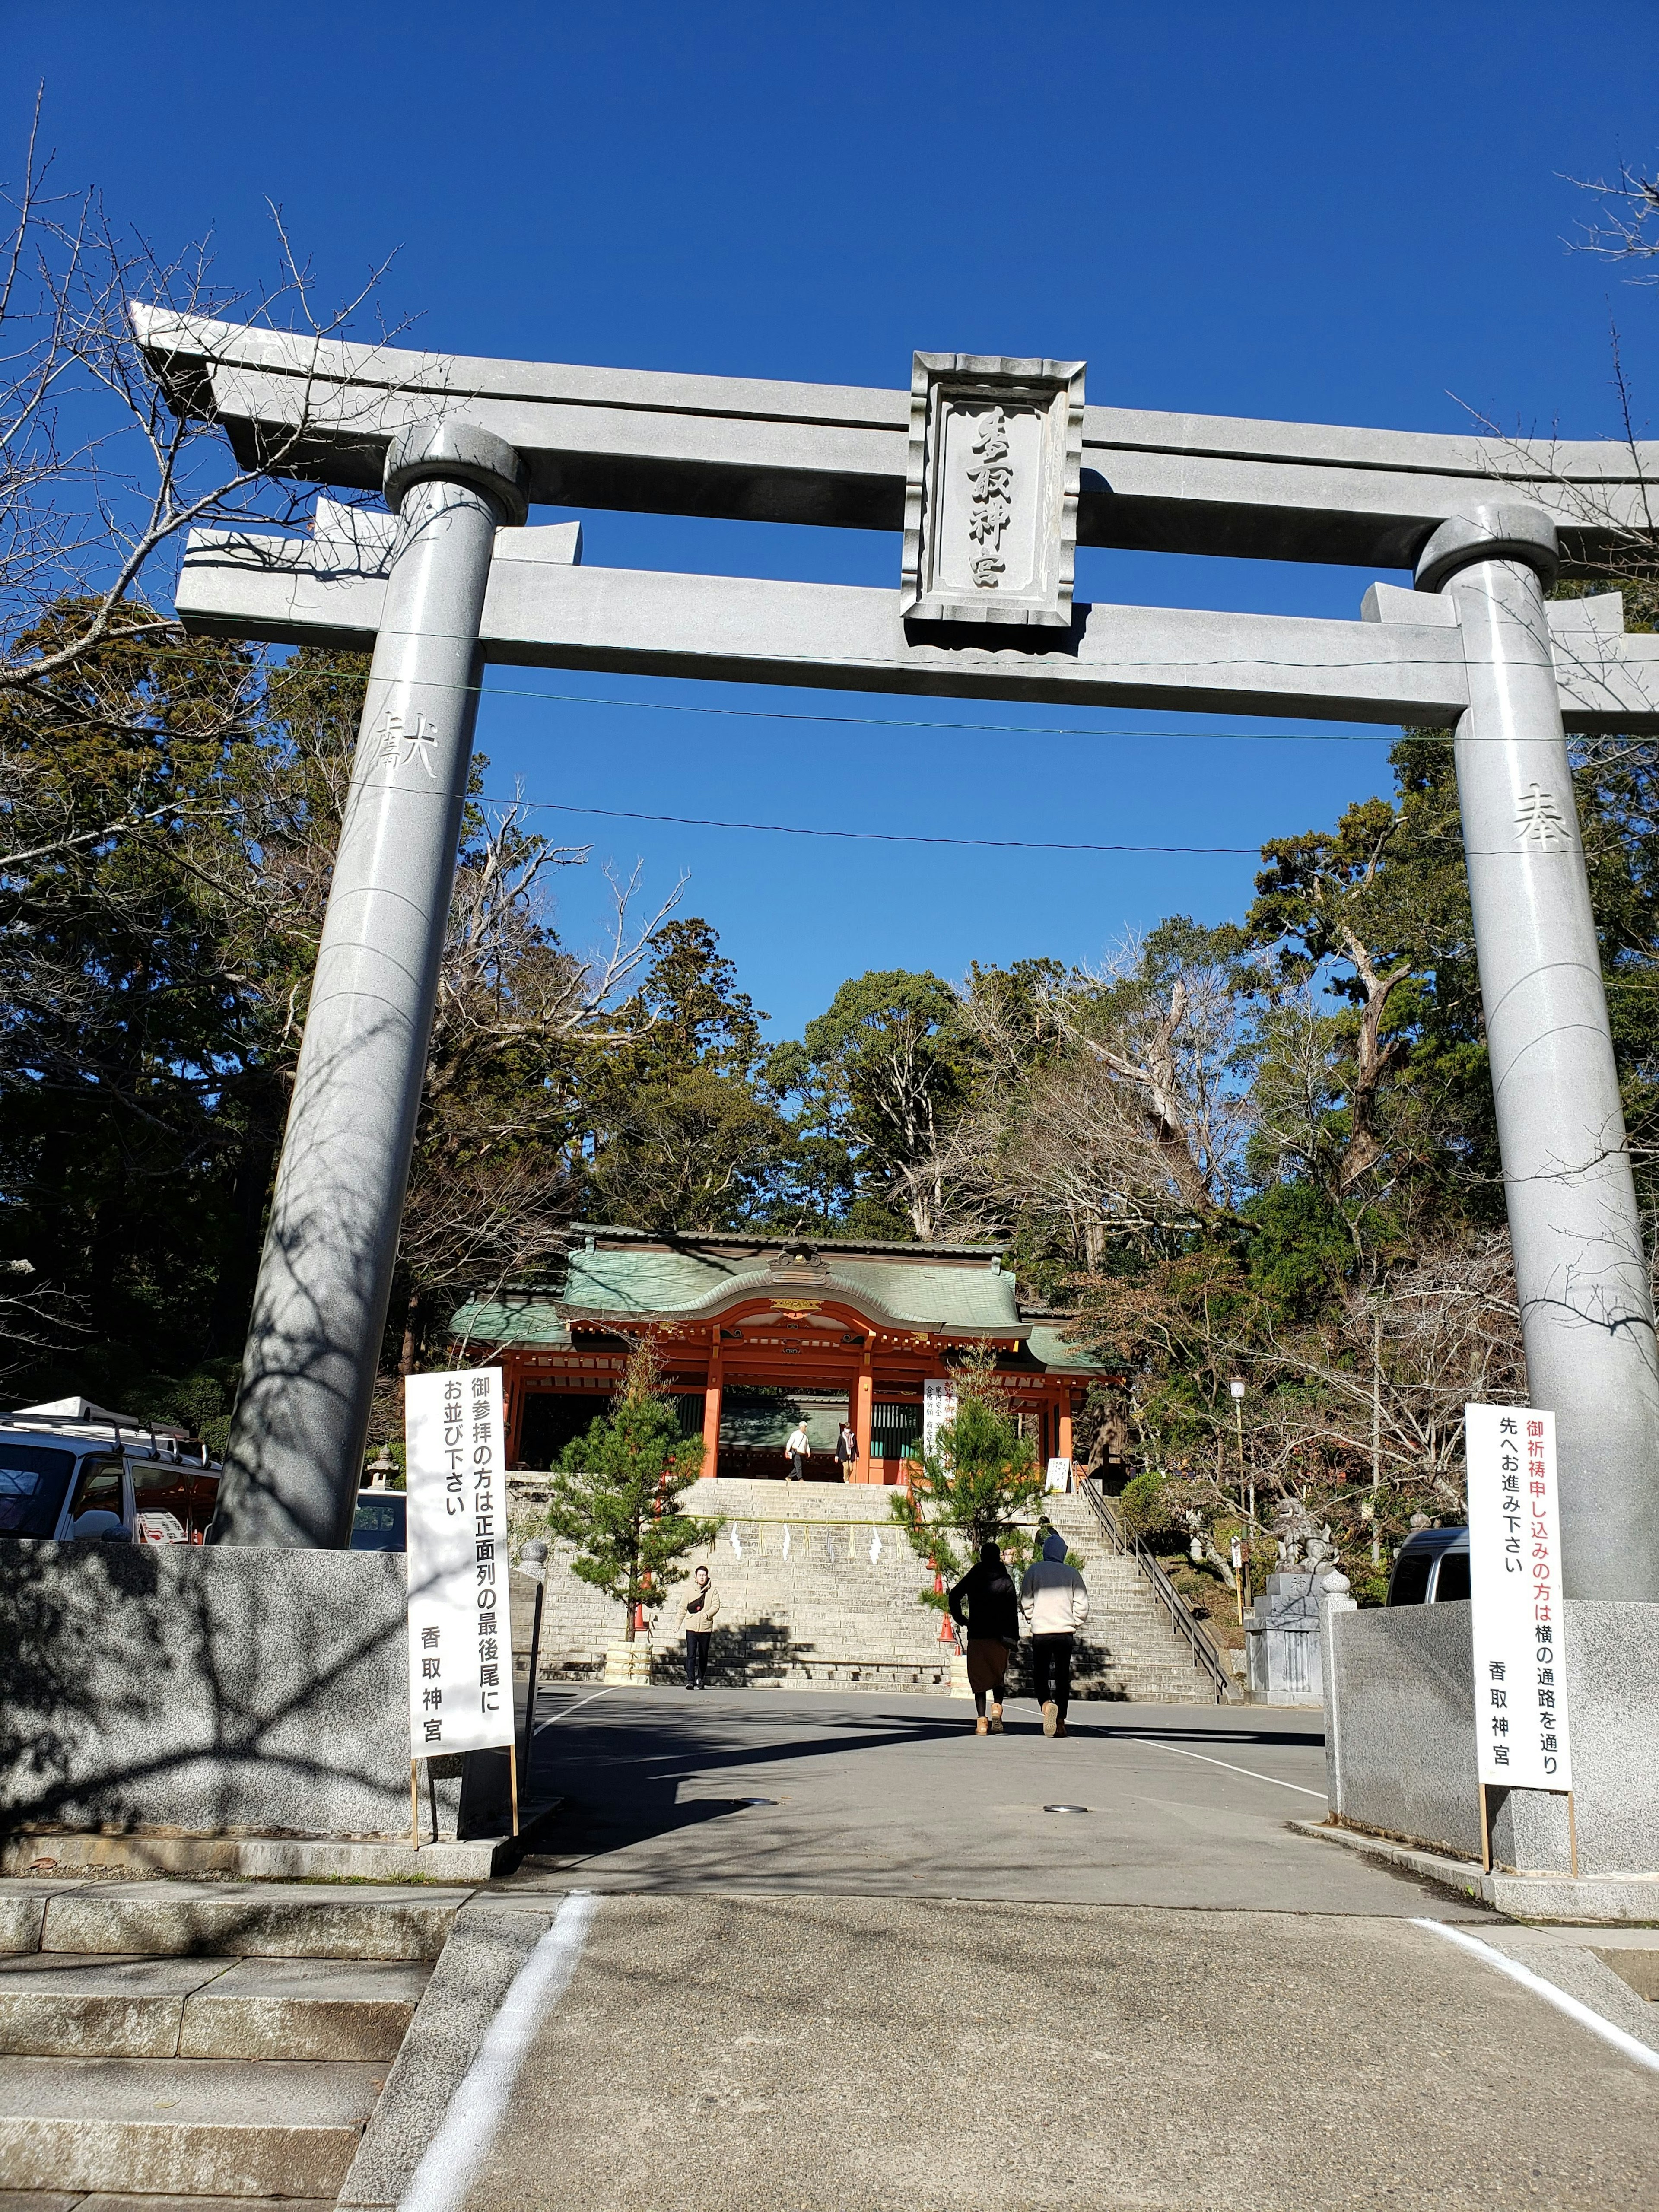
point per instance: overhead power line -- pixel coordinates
(863, 836)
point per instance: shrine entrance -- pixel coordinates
(994, 470)
(754, 1333)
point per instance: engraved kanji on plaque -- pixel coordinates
(990, 513)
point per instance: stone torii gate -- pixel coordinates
(994, 469)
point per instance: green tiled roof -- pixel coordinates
(1048, 1345)
(974, 1298)
(628, 1282)
(632, 1281)
(515, 1317)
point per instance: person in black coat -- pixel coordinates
(986, 1604)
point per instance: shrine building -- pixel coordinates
(753, 1333)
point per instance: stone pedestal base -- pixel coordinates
(627, 1666)
(177, 1691)
(1399, 1742)
(1282, 1641)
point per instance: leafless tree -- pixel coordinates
(99, 477)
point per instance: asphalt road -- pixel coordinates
(1184, 1805)
(903, 1986)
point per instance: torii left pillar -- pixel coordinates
(319, 1309)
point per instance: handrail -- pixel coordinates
(1182, 1620)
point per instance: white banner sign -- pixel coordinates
(939, 1405)
(460, 1636)
(1514, 1581)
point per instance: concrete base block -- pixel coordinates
(254, 1859)
(252, 1696)
(627, 1666)
(1400, 1745)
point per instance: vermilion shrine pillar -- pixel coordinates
(711, 1413)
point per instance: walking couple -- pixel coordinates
(1052, 1601)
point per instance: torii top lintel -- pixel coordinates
(761, 451)
(996, 470)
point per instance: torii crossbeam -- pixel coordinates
(995, 469)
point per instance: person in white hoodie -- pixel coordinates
(1053, 1600)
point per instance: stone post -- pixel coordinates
(1587, 1315)
(319, 1307)
(1334, 1598)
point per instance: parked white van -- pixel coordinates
(77, 1472)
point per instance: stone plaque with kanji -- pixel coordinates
(990, 516)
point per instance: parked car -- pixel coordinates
(380, 1523)
(75, 1472)
(1432, 1568)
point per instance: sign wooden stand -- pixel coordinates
(414, 1794)
(1572, 1830)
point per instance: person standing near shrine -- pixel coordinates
(846, 1451)
(697, 1610)
(797, 1451)
(985, 1603)
(1055, 1600)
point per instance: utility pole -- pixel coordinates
(1246, 1492)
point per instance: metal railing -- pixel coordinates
(1182, 1620)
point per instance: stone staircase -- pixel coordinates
(200, 2042)
(819, 1589)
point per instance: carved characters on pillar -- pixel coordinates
(991, 477)
(404, 740)
(1538, 820)
(990, 509)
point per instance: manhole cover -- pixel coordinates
(1064, 1809)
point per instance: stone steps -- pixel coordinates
(828, 1612)
(72, 2005)
(188, 2128)
(165, 2040)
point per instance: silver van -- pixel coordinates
(1431, 1568)
(75, 1473)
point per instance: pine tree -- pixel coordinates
(973, 1487)
(617, 1494)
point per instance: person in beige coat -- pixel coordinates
(697, 1610)
(1054, 1601)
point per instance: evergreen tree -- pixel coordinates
(973, 1487)
(617, 1494)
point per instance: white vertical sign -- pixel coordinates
(460, 1636)
(938, 1406)
(1514, 1581)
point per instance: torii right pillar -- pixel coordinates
(1586, 1307)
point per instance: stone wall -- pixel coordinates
(1401, 1743)
(174, 1689)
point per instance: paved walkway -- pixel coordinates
(1184, 1805)
(904, 1985)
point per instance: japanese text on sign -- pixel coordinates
(1515, 1580)
(460, 1636)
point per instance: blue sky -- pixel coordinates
(1319, 213)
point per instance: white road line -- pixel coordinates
(565, 1712)
(1641, 2052)
(479, 2101)
(1152, 1744)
